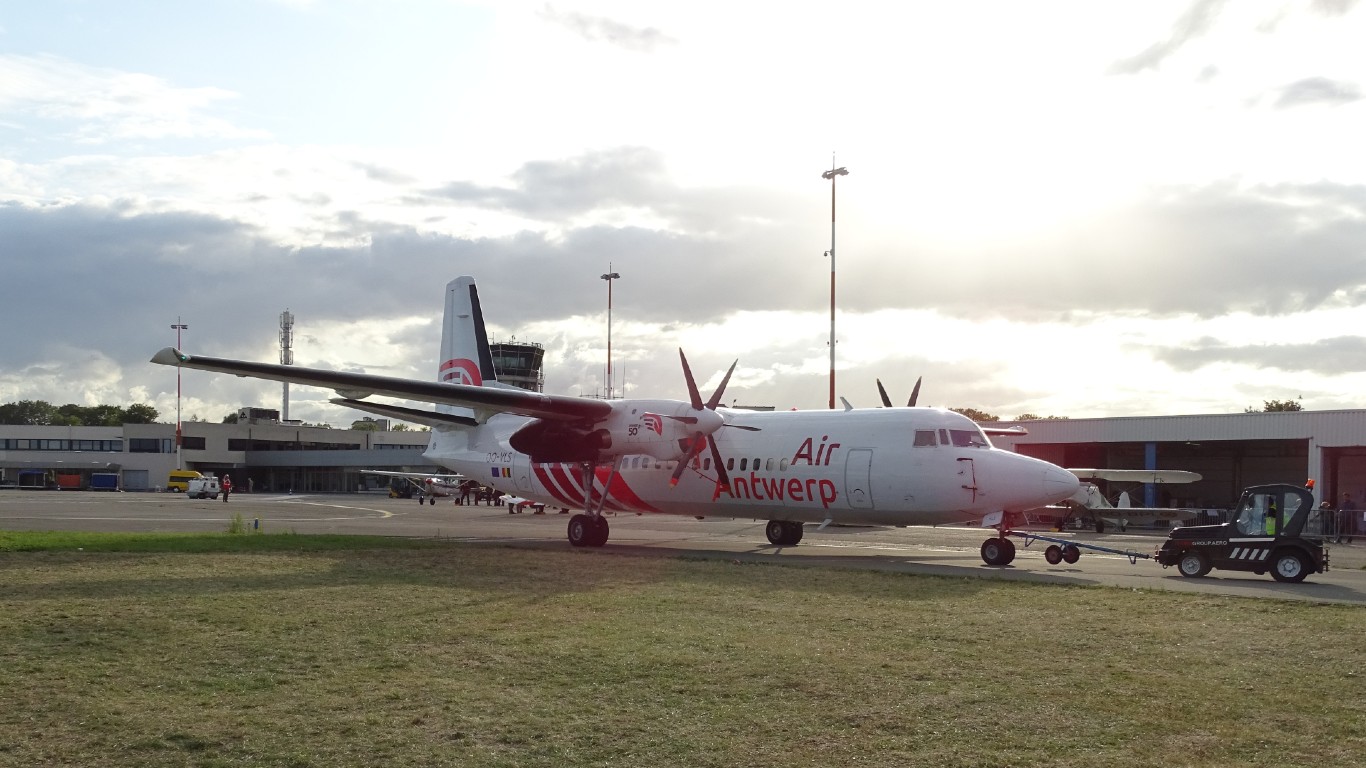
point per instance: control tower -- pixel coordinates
(519, 363)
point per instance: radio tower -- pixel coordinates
(286, 354)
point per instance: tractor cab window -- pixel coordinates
(924, 437)
(1255, 512)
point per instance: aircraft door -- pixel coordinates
(970, 476)
(521, 472)
(857, 478)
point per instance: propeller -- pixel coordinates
(707, 421)
(887, 401)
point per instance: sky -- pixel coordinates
(1062, 208)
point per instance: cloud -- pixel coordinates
(93, 105)
(622, 187)
(1327, 357)
(1317, 90)
(553, 190)
(1333, 7)
(1205, 250)
(1194, 23)
(597, 29)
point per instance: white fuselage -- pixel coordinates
(883, 466)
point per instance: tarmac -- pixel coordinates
(938, 551)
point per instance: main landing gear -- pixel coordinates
(590, 529)
(784, 533)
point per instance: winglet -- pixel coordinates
(170, 356)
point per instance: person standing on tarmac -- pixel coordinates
(1348, 510)
(227, 487)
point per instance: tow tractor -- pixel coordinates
(1274, 528)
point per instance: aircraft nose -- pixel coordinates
(1059, 482)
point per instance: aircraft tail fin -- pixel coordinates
(465, 355)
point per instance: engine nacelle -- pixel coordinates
(554, 442)
(658, 428)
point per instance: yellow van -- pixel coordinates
(180, 479)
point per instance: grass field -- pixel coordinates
(347, 651)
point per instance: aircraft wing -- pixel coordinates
(355, 386)
(413, 475)
(1137, 475)
(1004, 431)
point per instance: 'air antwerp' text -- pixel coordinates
(759, 488)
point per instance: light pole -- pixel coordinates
(831, 174)
(179, 326)
(609, 277)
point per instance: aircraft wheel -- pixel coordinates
(1289, 567)
(600, 531)
(998, 551)
(783, 533)
(1053, 554)
(581, 531)
(1100, 525)
(432, 501)
(776, 532)
(1071, 554)
(1193, 564)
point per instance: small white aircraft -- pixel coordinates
(873, 466)
(1122, 515)
(429, 485)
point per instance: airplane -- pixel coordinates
(428, 484)
(1122, 515)
(871, 466)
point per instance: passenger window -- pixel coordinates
(730, 463)
(924, 437)
(706, 464)
(743, 463)
(768, 465)
(782, 465)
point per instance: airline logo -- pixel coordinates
(653, 422)
(462, 371)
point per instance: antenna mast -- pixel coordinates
(286, 354)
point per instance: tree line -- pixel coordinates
(40, 413)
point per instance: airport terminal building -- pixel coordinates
(1229, 451)
(265, 457)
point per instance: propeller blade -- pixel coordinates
(886, 401)
(915, 392)
(716, 396)
(692, 384)
(745, 427)
(722, 479)
(694, 448)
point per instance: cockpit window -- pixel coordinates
(969, 438)
(924, 437)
